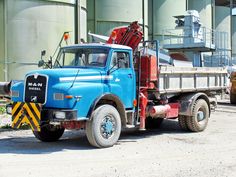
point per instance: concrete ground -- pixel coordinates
(165, 152)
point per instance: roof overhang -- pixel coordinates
(225, 3)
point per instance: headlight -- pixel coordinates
(60, 115)
(58, 96)
(9, 108)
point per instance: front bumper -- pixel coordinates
(57, 115)
(26, 113)
(35, 115)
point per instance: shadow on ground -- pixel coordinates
(76, 140)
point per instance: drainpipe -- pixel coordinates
(231, 32)
(76, 28)
(5, 41)
(153, 19)
(186, 7)
(143, 11)
(95, 17)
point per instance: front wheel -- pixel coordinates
(104, 129)
(200, 115)
(49, 133)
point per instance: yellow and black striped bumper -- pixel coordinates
(29, 113)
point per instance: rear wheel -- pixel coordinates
(200, 115)
(49, 133)
(232, 98)
(183, 122)
(104, 129)
(152, 123)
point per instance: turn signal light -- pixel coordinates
(113, 35)
(66, 36)
(135, 103)
(69, 96)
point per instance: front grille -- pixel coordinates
(35, 89)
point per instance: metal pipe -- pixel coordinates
(79, 32)
(5, 41)
(152, 19)
(231, 31)
(76, 22)
(95, 17)
(143, 16)
(159, 111)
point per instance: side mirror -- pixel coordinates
(43, 53)
(50, 62)
(41, 63)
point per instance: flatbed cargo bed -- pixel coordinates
(191, 79)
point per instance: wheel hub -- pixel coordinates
(107, 127)
(200, 116)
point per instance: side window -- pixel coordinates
(120, 59)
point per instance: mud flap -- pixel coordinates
(29, 113)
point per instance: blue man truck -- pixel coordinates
(105, 88)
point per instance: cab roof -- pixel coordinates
(98, 45)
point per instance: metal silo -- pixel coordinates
(223, 25)
(32, 26)
(104, 15)
(161, 14)
(234, 38)
(204, 7)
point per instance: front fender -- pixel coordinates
(112, 99)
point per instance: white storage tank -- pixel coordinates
(31, 26)
(161, 14)
(222, 24)
(205, 9)
(104, 15)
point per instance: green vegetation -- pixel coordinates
(2, 109)
(7, 126)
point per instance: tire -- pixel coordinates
(49, 133)
(232, 98)
(200, 115)
(153, 123)
(104, 129)
(183, 123)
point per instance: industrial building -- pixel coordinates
(29, 26)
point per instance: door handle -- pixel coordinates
(130, 76)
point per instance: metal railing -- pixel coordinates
(184, 34)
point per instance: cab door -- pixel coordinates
(123, 77)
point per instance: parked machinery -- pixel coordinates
(233, 88)
(105, 88)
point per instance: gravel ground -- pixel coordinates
(5, 120)
(165, 152)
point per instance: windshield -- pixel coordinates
(80, 57)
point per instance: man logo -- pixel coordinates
(33, 99)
